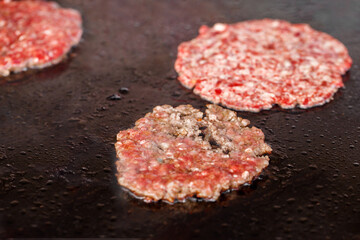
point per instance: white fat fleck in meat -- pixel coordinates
(164, 145)
(249, 150)
(287, 64)
(48, 31)
(267, 96)
(245, 122)
(245, 175)
(212, 117)
(275, 23)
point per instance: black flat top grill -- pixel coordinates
(57, 129)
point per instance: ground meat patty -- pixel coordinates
(252, 65)
(175, 153)
(35, 34)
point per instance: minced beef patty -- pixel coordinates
(175, 153)
(253, 65)
(35, 34)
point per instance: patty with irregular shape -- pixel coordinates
(175, 153)
(35, 34)
(255, 64)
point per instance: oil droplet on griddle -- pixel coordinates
(114, 97)
(176, 94)
(124, 90)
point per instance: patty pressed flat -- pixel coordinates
(175, 153)
(35, 34)
(255, 64)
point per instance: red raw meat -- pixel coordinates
(35, 34)
(253, 65)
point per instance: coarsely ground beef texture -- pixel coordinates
(35, 34)
(256, 64)
(175, 153)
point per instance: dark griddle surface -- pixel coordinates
(57, 129)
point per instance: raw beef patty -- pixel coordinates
(35, 34)
(253, 65)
